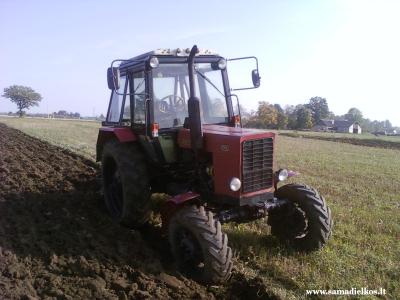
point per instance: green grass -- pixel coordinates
(361, 185)
(364, 135)
(388, 142)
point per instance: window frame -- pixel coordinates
(144, 67)
(183, 60)
(122, 105)
(132, 98)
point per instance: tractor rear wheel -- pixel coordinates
(126, 184)
(306, 221)
(199, 246)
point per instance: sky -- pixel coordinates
(347, 51)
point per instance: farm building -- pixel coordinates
(347, 126)
(338, 126)
(324, 125)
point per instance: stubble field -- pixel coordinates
(57, 241)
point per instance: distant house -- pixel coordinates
(324, 125)
(338, 126)
(386, 132)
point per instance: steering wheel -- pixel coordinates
(179, 104)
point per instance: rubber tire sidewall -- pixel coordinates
(132, 167)
(213, 242)
(318, 214)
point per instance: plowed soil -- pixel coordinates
(57, 242)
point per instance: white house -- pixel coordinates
(338, 126)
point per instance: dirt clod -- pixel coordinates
(171, 281)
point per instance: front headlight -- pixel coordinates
(283, 174)
(235, 184)
(154, 62)
(222, 64)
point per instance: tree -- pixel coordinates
(290, 112)
(354, 115)
(388, 125)
(62, 113)
(23, 96)
(265, 117)
(319, 108)
(304, 117)
(282, 118)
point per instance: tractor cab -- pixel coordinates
(151, 91)
(150, 94)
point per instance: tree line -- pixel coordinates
(305, 116)
(301, 116)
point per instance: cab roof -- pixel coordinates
(166, 52)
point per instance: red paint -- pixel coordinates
(225, 145)
(252, 194)
(228, 164)
(173, 204)
(184, 138)
(122, 134)
(182, 198)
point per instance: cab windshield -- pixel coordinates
(171, 93)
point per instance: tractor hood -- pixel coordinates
(225, 145)
(218, 134)
(235, 132)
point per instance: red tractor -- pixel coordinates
(172, 128)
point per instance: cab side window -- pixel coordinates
(126, 115)
(139, 97)
(116, 102)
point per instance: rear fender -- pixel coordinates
(106, 134)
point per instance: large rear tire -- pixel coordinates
(126, 184)
(306, 222)
(199, 246)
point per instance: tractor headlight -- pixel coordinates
(235, 184)
(154, 62)
(222, 64)
(282, 174)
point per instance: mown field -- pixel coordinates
(363, 136)
(78, 136)
(361, 185)
(365, 139)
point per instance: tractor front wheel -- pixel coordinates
(199, 246)
(305, 222)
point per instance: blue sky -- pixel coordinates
(345, 51)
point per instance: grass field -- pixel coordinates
(365, 135)
(361, 185)
(366, 139)
(79, 136)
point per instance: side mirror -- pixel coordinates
(255, 77)
(113, 78)
(254, 73)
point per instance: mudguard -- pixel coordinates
(106, 134)
(172, 204)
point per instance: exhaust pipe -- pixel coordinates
(196, 132)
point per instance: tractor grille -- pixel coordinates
(257, 164)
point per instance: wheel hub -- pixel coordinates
(189, 249)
